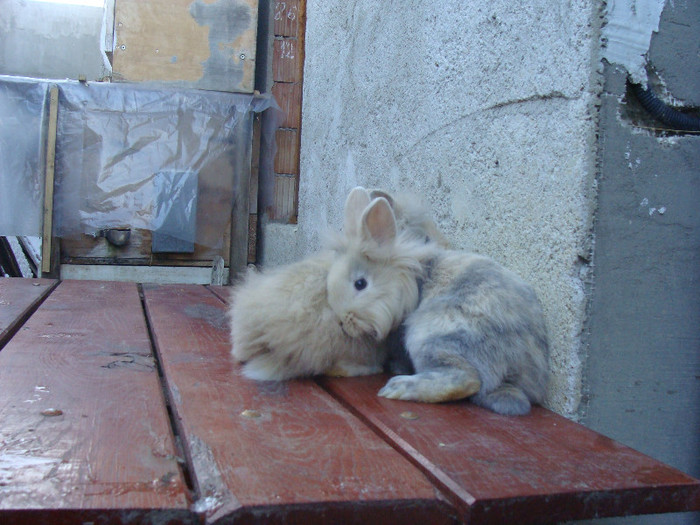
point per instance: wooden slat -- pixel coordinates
(287, 73)
(540, 468)
(286, 60)
(222, 292)
(276, 452)
(287, 158)
(48, 246)
(285, 198)
(84, 432)
(240, 212)
(253, 189)
(91, 249)
(18, 299)
(288, 97)
(286, 18)
(252, 238)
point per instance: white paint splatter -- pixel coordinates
(628, 34)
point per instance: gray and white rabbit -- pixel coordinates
(282, 321)
(478, 332)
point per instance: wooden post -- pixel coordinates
(238, 256)
(48, 262)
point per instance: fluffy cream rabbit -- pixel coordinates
(330, 313)
(478, 331)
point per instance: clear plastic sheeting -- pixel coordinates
(23, 128)
(117, 145)
(176, 211)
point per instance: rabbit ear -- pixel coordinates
(375, 193)
(378, 222)
(355, 204)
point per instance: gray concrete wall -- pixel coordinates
(484, 108)
(44, 40)
(643, 371)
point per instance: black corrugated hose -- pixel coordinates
(662, 112)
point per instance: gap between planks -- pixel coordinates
(8, 333)
(460, 498)
(410, 496)
(470, 505)
(184, 462)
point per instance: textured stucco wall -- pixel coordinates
(487, 110)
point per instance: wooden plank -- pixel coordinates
(84, 432)
(140, 274)
(278, 452)
(286, 60)
(287, 71)
(90, 249)
(286, 18)
(287, 158)
(48, 247)
(190, 44)
(253, 190)
(240, 210)
(252, 238)
(18, 299)
(288, 97)
(255, 164)
(285, 198)
(240, 230)
(222, 292)
(540, 468)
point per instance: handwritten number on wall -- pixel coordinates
(282, 10)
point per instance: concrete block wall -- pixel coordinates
(487, 110)
(642, 373)
(45, 40)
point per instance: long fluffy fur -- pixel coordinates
(392, 271)
(283, 327)
(478, 332)
(412, 217)
(308, 318)
(475, 330)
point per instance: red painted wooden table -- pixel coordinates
(120, 403)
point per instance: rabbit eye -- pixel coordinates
(360, 284)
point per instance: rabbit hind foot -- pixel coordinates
(433, 386)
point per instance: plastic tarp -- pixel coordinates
(23, 128)
(126, 158)
(123, 155)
